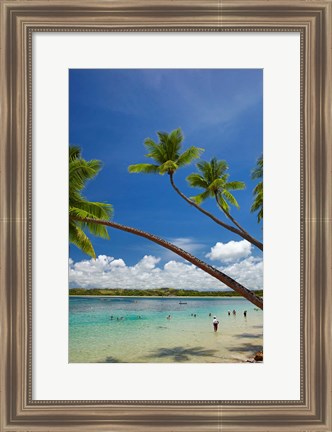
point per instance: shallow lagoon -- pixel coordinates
(145, 335)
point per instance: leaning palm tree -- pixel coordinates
(84, 214)
(257, 205)
(213, 179)
(167, 157)
(217, 274)
(80, 171)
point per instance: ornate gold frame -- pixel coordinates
(19, 19)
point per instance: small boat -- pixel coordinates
(182, 302)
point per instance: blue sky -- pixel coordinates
(111, 114)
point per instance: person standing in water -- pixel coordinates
(215, 323)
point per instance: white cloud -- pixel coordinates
(248, 272)
(230, 252)
(107, 272)
(187, 243)
(117, 263)
(148, 262)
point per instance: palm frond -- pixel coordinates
(235, 185)
(80, 239)
(80, 171)
(257, 172)
(198, 199)
(74, 153)
(163, 137)
(257, 205)
(258, 188)
(218, 167)
(189, 155)
(156, 151)
(173, 144)
(94, 210)
(222, 203)
(196, 180)
(217, 185)
(169, 166)
(144, 168)
(96, 229)
(230, 198)
(204, 167)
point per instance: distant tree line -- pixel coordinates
(159, 292)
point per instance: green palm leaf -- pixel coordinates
(230, 198)
(189, 155)
(81, 171)
(168, 166)
(235, 185)
(74, 153)
(80, 239)
(213, 179)
(156, 151)
(257, 172)
(257, 205)
(143, 168)
(198, 199)
(223, 203)
(94, 210)
(196, 180)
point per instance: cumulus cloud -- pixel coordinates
(107, 272)
(248, 272)
(230, 252)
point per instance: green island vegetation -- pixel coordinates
(158, 292)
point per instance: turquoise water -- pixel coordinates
(137, 330)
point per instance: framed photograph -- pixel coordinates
(149, 125)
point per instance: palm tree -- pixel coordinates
(80, 171)
(257, 205)
(213, 179)
(86, 214)
(167, 158)
(166, 154)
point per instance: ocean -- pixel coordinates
(162, 330)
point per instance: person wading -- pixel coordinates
(215, 323)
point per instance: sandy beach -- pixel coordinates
(163, 330)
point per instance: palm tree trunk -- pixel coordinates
(242, 233)
(222, 277)
(230, 217)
